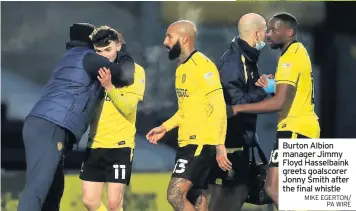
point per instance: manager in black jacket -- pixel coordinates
(239, 72)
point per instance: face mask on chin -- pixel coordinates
(259, 45)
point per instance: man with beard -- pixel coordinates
(62, 115)
(201, 118)
(239, 73)
(112, 131)
(294, 93)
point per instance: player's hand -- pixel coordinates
(156, 134)
(105, 78)
(221, 158)
(262, 81)
(235, 109)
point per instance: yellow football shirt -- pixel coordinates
(294, 68)
(201, 115)
(112, 128)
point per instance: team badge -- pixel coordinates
(184, 77)
(59, 146)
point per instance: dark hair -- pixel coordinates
(81, 32)
(289, 20)
(103, 35)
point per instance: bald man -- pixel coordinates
(201, 118)
(294, 93)
(239, 73)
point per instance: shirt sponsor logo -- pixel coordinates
(182, 92)
(286, 65)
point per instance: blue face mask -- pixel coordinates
(260, 45)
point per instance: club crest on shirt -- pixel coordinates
(184, 77)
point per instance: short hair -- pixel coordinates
(103, 35)
(288, 19)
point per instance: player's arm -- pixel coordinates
(284, 97)
(155, 134)
(125, 103)
(216, 107)
(122, 72)
(174, 121)
(287, 77)
(218, 112)
(126, 99)
(229, 74)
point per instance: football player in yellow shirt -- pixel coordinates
(201, 118)
(294, 92)
(109, 154)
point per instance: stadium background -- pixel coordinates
(33, 35)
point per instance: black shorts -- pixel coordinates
(194, 163)
(273, 162)
(107, 165)
(238, 175)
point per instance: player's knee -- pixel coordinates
(114, 205)
(115, 199)
(91, 203)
